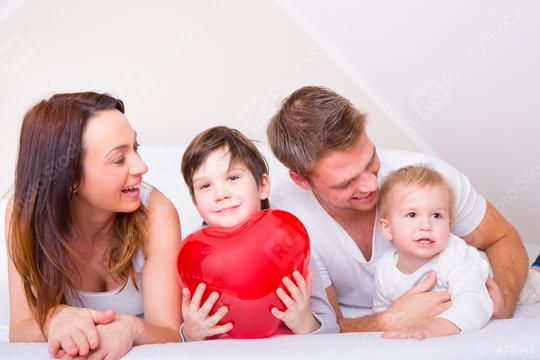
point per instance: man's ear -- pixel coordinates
(385, 228)
(299, 180)
(264, 187)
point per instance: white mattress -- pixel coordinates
(517, 338)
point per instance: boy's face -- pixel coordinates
(226, 194)
(417, 221)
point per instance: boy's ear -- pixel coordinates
(299, 180)
(193, 200)
(264, 187)
(385, 228)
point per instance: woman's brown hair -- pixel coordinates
(48, 171)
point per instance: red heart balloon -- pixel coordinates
(245, 265)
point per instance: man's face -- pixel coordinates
(347, 179)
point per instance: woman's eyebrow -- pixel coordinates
(123, 146)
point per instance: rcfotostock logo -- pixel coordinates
(20, 48)
(14, 54)
(521, 183)
(50, 172)
(140, 79)
(259, 108)
(436, 92)
(283, 250)
(430, 98)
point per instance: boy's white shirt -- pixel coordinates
(459, 267)
(339, 261)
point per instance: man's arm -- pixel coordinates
(434, 328)
(506, 254)
(364, 323)
(415, 307)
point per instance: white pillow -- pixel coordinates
(4, 299)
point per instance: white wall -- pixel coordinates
(457, 79)
(180, 67)
(461, 78)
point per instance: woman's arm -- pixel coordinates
(161, 289)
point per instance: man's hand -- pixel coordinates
(433, 328)
(507, 257)
(498, 299)
(416, 306)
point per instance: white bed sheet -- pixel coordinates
(517, 338)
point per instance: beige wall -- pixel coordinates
(461, 77)
(179, 66)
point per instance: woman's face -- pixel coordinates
(112, 168)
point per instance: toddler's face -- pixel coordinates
(226, 194)
(418, 221)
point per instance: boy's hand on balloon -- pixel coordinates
(298, 316)
(198, 324)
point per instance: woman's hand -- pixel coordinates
(116, 339)
(298, 316)
(71, 330)
(198, 325)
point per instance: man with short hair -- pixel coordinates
(336, 171)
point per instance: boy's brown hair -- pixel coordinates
(415, 176)
(313, 121)
(238, 146)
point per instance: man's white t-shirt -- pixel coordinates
(460, 269)
(339, 261)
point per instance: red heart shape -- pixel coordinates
(245, 265)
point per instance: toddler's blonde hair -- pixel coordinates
(415, 177)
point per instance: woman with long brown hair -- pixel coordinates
(92, 248)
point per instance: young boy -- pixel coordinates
(228, 182)
(416, 208)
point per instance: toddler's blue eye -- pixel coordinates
(204, 186)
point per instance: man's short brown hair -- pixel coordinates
(239, 147)
(313, 121)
